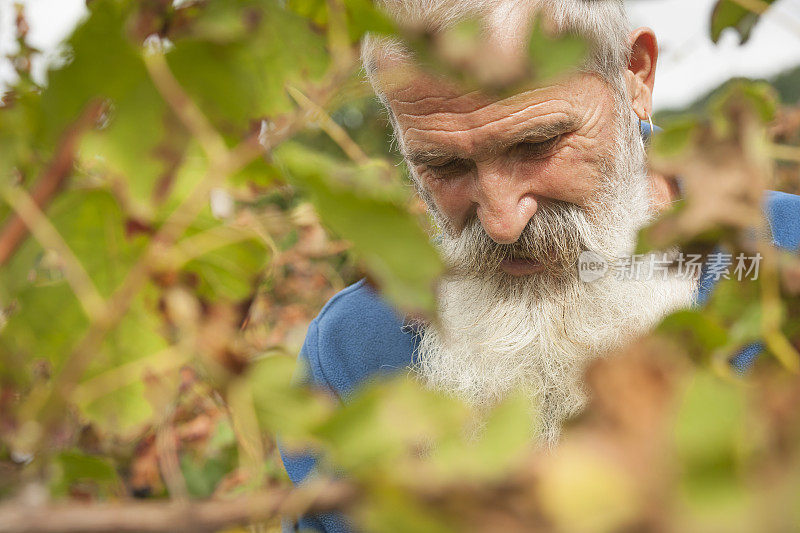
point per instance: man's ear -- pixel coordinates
(641, 74)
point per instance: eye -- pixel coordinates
(536, 148)
(451, 168)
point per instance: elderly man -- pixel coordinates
(519, 187)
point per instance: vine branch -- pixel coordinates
(51, 180)
(168, 516)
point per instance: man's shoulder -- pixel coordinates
(783, 211)
(356, 335)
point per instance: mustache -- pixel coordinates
(555, 236)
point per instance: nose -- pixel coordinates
(504, 205)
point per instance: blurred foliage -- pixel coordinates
(742, 15)
(198, 178)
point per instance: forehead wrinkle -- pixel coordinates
(436, 114)
(414, 98)
(426, 105)
(524, 131)
(467, 115)
(495, 146)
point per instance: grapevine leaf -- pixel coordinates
(394, 247)
(243, 77)
(731, 14)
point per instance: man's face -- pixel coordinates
(521, 187)
(501, 161)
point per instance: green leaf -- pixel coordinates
(314, 10)
(394, 511)
(123, 413)
(281, 405)
(551, 56)
(737, 305)
(362, 16)
(583, 489)
(356, 436)
(676, 136)
(232, 259)
(506, 433)
(46, 318)
(708, 435)
(204, 469)
(72, 87)
(731, 14)
(140, 149)
(364, 436)
(241, 78)
(386, 237)
(141, 143)
(125, 409)
(19, 122)
(760, 97)
(76, 467)
(695, 330)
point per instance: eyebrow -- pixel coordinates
(539, 132)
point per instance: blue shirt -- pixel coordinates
(359, 336)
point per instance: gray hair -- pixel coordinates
(602, 23)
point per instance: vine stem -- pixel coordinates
(329, 126)
(48, 236)
(784, 152)
(164, 516)
(189, 114)
(51, 180)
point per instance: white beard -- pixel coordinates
(497, 333)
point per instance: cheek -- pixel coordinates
(452, 197)
(573, 174)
